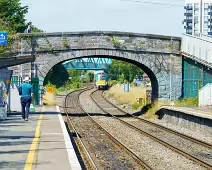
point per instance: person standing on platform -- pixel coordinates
(26, 92)
(29, 29)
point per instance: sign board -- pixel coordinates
(51, 90)
(3, 38)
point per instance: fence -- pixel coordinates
(195, 76)
(205, 95)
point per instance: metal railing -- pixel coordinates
(198, 48)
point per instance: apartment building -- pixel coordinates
(198, 17)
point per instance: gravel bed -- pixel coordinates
(197, 150)
(154, 153)
(87, 103)
(141, 144)
(105, 153)
(201, 136)
(126, 107)
(105, 105)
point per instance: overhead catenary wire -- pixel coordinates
(153, 3)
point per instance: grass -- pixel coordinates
(49, 99)
(135, 106)
(151, 110)
(122, 97)
(189, 102)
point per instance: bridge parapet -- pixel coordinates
(198, 48)
(52, 42)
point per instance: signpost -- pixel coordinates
(3, 38)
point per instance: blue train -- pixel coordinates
(101, 81)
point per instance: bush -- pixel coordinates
(150, 110)
(112, 82)
(186, 102)
(135, 106)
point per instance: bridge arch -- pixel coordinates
(159, 56)
(144, 61)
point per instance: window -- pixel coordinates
(196, 32)
(189, 17)
(196, 26)
(206, 5)
(205, 31)
(196, 6)
(205, 11)
(205, 24)
(196, 19)
(196, 12)
(206, 18)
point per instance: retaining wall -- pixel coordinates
(198, 123)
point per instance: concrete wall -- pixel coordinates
(192, 122)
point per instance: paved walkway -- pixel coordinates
(41, 143)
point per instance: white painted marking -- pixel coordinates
(69, 147)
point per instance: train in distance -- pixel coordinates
(101, 81)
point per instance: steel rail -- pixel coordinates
(70, 125)
(187, 155)
(119, 143)
(205, 144)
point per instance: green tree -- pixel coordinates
(13, 13)
(57, 76)
(89, 77)
(121, 71)
(12, 20)
(6, 50)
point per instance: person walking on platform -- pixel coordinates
(26, 92)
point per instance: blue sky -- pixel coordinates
(106, 15)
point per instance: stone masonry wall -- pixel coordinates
(157, 55)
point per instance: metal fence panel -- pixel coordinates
(198, 46)
(205, 95)
(36, 88)
(196, 76)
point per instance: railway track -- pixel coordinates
(101, 149)
(189, 147)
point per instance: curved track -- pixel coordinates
(105, 151)
(191, 148)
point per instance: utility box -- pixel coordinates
(126, 87)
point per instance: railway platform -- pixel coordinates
(203, 112)
(40, 143)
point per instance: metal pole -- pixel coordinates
(201, 24)
(9, 99)
(22, 52)
(170, 78)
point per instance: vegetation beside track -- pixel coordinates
(148, 111)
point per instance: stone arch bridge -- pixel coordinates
(159, 56)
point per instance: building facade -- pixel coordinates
(198, 17)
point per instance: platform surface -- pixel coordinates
(203, 112)
(22, 148)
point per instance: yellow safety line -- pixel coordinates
(31, 155)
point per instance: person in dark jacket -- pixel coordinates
(26, 98)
